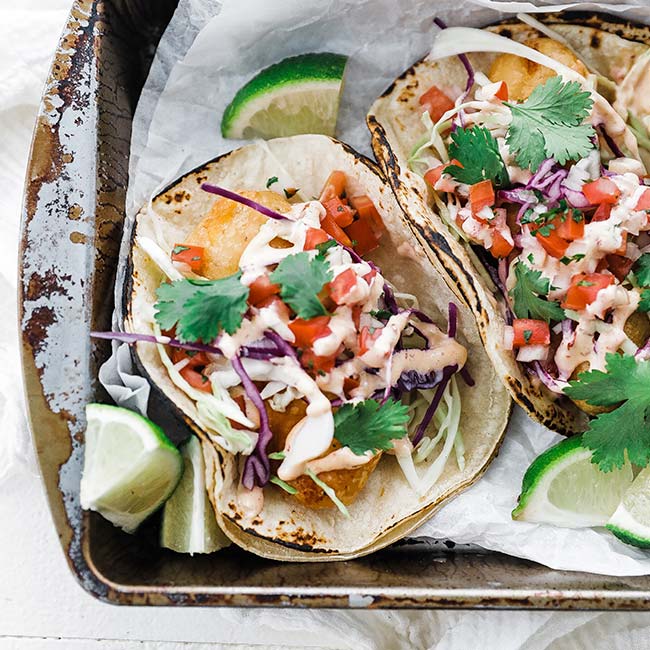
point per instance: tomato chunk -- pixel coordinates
(311, 361)
(341, 213)
(501, 247)
(366, 210)
(196, 379)
(481, 195)
(502, 92)
(280, 306)
(341, 286)
(334, 230)
(432, 176)
(644, 201)
(307, 331)
(334, 186)
(584, 289)
(552, 243)
(262, 288)
(570, 229)
(190, 255)
(602, 212)
(602, 190)
(529, 331)
(436, 103)
(314, 237)
(367, 338)
(619, 265)
(363, 235)
(196, 359)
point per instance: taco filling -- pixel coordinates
(541, 179)
(303, 361)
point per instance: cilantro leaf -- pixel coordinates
(323, 247)
(642, 270)
(301, 280)
(549, 124)
(478, 154)
(270, 181)
(200, 309)
(644, 303)
(627, 427)
(369, 425)
(526, 296)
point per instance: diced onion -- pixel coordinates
(532, 353)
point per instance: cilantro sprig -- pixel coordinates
(528, 296)
(370, 426)
(626, 429)
(549, 124)
(200, 309)
(478, 154)
(301, 279)
(642, 270)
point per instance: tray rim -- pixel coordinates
(75, 54)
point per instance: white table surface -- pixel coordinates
(41, 605)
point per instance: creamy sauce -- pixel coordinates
(343, 458)
(250, 502)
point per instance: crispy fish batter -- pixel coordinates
(522, 75)
(347, 483)
(228, 229)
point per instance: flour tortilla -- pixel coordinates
(395, 124)
(387, 508)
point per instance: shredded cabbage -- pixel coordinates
(151, 248)
(329, 491)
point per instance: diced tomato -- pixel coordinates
(481, 195)
(314, 237)
(366, 210)
(602, 190)
(310, 361)
(334, 230)
(367, 338)
(436, 103)
(553, 244)
(502, 93)
(196, 379)
(281, 307)
(341, 286)
(261, 289)
(602, 212)
(368, 277)
(501, 247)
(307, 331)
(190, 255)
(349, 384)
(619, 265)
(432, 176)
(196, 359)
(356, 316)
(584, 288)
(341, 213)
(644, 201)
(361, 232)
(570, 229)
(334, 186)
(529, 331)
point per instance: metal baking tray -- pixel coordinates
(72, 220)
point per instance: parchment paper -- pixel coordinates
(210, 50)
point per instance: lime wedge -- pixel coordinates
(189, 524)
(563, 487)
(130, 466)
(297, 95)
(631, 521)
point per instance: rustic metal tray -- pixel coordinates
(73, 212)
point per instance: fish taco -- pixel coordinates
(278, 301)
(520, 155)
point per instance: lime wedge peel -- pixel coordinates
(299, 94)
(130, 466)
(563, 487)
(189, 524)
(631, 521)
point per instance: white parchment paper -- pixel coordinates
(210, 50)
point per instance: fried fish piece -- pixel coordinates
(229, 227)
(347, 483)
(522, 75)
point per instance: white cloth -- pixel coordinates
(40, 598)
